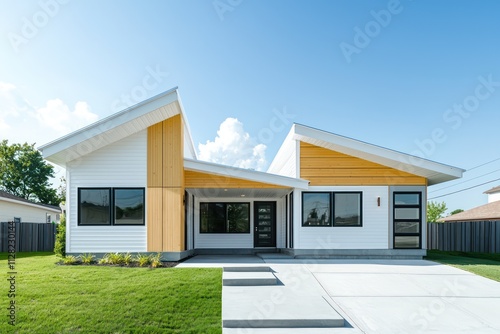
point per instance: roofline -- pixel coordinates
(43, 206)
(187, 127)
(246, 174)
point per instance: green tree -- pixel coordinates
(24, 173)
(435, 211)
(454, 212)
(60, 244)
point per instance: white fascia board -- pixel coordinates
(246, 174)
(279, 158)
(109, 122)
(10, 200)
(378, 154)
(187, 130)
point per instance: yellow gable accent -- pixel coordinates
(324, 167)
(205, 180)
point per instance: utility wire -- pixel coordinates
(481, 165)
(456, 184)
(458, 191)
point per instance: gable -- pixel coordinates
(324, 167)
(205, 180)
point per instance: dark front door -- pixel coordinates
(264, 224)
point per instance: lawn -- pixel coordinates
(91, 299)
(484, 264)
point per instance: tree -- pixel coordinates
(60, 244)
(435, 211)
(24, 173)
(454, 212)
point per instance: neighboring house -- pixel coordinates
(490, 211)
(29, 212)
(134, 184)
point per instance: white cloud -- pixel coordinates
(57, 116)
(233, 146)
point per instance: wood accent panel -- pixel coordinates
(326, 167)
(173, 216)
(205, 180)
(173, 152)
(165, 193)
(155, 155)
(154, 210)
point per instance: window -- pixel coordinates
(128, 206)
(319, 207)
(316, 209)
(224, 217)
(407, 219)
(94, 206)
(347, 209)
(111, 206)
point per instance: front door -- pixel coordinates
(264, 224)
(407, 220)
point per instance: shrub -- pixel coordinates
(87, 258)
(60, 244)
(104, 259)
(143, 260)
(127, 259)
(70, 259)
(156, 261)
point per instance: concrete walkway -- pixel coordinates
(373, 296)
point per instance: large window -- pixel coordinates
(318, 208)
(224, 217)
(407, 219)
(107, 206)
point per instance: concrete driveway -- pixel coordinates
(383, 296)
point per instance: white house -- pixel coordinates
(12, 207)
(135, 185)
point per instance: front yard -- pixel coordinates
(89, 299)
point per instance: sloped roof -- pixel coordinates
(434, 172)
(492, 190)
(8, 197)
(117, 126)
(490, 211)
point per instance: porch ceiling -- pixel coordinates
(239, 193)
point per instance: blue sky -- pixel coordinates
(392, 73)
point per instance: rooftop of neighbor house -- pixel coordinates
(490, 211)
(13, 198)
(493, 190)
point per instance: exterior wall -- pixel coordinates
(326, 167)
(236, 240)
(374, 234)
(121, 164)
(493, 197)
(27, 213)
(285, 162)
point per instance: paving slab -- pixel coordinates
(248, 278)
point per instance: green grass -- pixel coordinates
(90, 299)
(484, 264)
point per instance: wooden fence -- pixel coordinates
(477, 236)
(30, 237)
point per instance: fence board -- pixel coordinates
(477, 236)
(30, 237)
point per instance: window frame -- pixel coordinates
(225, 217)
(330, 202)
(113, 192)
(111, 211)
(332, 208)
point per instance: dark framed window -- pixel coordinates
(316, 209)
(332, 209)
(407, 220)
(94, 206)
(347, 209)
(128, 206)
(224, 217)
(111, 206)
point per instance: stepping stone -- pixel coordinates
(248, 278)
(246, 269)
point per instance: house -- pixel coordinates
(14, 207)
(486, 212)
(135, 185)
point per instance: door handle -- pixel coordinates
(256, 229)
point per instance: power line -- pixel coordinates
(481, 165)
(456, 184)
(458, 191)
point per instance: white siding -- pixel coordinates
(493, 197)
(243, 240)
(285, 162)
(121, 164)
(27, 213)
(374, 234)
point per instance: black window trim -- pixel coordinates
(111, 193)
(225, 204)
(332, 208)
(419, 220)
